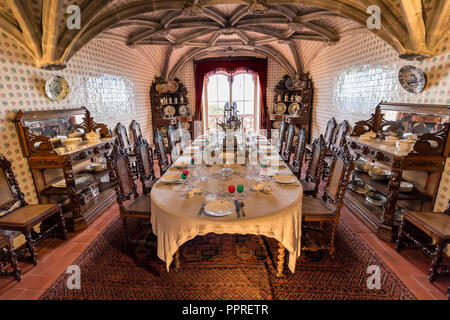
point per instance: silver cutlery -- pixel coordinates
(202, 208)
(242, 205)
(238, 208)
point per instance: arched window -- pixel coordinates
(241, 89)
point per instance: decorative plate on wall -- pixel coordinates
(172, 86)
(412, 79)
(279, 108)
(57, 88)
(164, 88)
(183, 110)
(289, 84)
(169, 111)
(294, 109)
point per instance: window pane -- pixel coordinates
(223, 88)
(212, 89)
(249, 87)
(238, 87)
(240, 107)
(249, 107)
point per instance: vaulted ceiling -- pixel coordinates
(287, 31)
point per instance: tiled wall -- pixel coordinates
(353, 76)
(107, 77)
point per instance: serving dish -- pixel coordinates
(169, 111)
(406, 187)
(172, 86)
(379, 173)
(183, 110)
(359, 186)
(412, 79)
(375, 198)
(280, 108)
(362, 165)
(294, 109)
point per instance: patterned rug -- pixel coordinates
(227, 267)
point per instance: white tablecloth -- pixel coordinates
(175, 219)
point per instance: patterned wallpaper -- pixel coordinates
(353, 76)
(107, 77)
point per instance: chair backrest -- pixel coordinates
(120, 172)
(329, 132)
(339, 140)
(144, 157)
(289, 140)
(171, 137)
(341, 169)
(315, 166)
(10, 193)
(160, 149)
(122, 137)
(281, 135)
(135, 130)
(300, 147)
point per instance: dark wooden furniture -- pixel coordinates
(161, 153)
(328, 135)
(286, 156)
(124, 142)
(135, 130)
(173, 138)
(338, 142)
(8, 257)
(145, 165)
(327, 209)
(432, 239)
(160, 100)
(299, 154)
(422, 165)
(315, 166)
(22, 217)
(281, 136)
(38, 131)
(303, 90)
(137, 206)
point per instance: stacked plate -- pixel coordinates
(285, 179)
(171, 178)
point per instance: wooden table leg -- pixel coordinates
(436, 260)
(280, 263)
(31, 248)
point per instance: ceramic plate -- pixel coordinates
(412, 79)
(289, 84)
(78, 180)
(294, 109)
(57, 88)
(164, 88)
(284, 178)
(171, 178)
(172, 86)
(183, 110)
(169, 111)
(280, 108)
(219, 208)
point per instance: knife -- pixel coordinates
(238, 208)
(241, 204)
(202, 208)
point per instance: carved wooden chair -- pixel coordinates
(161, 153)
(137, 206)
(299, 154)
(338, 142)
(430, 233)
(315, 166)
(286, 156)
(328, 135)
(21, 217)
(8, 256)
(135, 130)
(124, 142)
(145, 163)
(281, 136)
(326, 210)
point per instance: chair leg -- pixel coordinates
(31, 248)
(398, 242)
(17, 272)
(333, 235)
(437, 257)
(280, 263)
(63, 226)
(125, 226)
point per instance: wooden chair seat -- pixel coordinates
(315, 208)
(434, 222)
(28, 216)
(308, 188)
(139, 206)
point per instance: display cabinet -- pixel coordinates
(292, 103)
(66, 152)
(409, 144)
(170, 105)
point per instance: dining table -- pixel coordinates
(266, 206)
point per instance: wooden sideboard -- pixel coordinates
(85, 193)
(421, 165)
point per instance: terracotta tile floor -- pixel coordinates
(56, 255)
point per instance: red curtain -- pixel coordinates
(230, 65)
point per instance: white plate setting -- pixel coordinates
(284, 179)
(219, 208)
